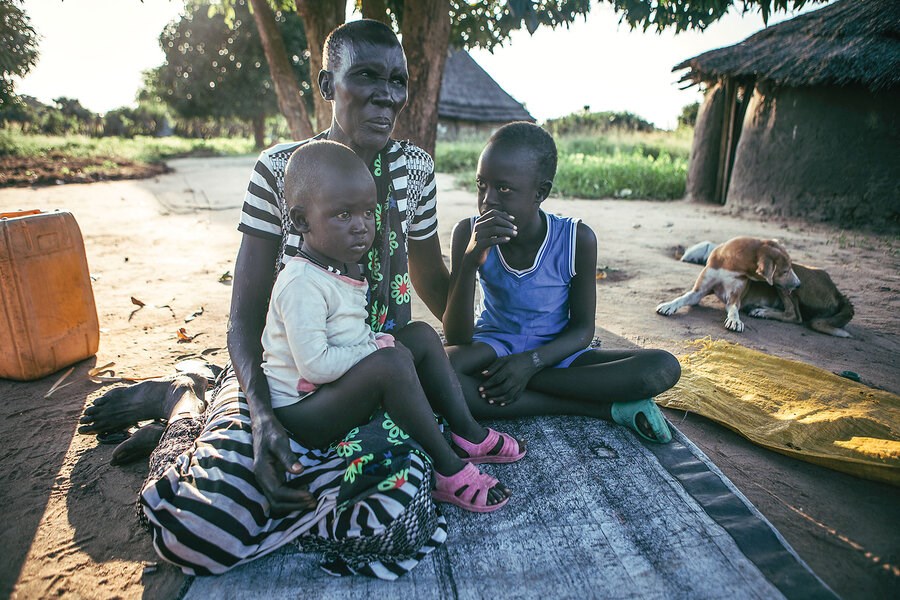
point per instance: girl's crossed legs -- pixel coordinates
(589, 387)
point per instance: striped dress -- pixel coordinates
(201, 501)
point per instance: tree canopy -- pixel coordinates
(488, 23)
(20, 47)
(214, 69)
(429, 27)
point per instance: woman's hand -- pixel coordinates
(272, 457)
(506, 378)
(272, 454)
(493, 228)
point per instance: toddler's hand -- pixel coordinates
(506, 378)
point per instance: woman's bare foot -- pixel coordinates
(141, 443)
(153, 399)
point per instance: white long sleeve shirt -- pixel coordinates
(315, 330)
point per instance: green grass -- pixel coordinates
(677, 144)
(616, 164)
(453, 157)
(621, 175)
(621, 164)
(139, 149)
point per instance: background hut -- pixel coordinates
(471, 102)
(803, 118)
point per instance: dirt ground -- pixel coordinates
(69, 524)
(56, 168)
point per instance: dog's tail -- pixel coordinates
(833, 325)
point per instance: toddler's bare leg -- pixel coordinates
(439, 380)
(441, 384)
(384, 378)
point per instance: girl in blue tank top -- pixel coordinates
(527, 351)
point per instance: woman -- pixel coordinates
(216, 496)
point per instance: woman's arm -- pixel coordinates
(251, 288)
(426, 264)
(428, 273)
(508, 376)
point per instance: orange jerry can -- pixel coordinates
(48, 319)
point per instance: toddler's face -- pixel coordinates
(340, 222)
(507, 181)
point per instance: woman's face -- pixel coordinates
(369, 89)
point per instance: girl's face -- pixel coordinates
(339, 226)
(507, 181)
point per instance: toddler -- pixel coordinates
(328, 372)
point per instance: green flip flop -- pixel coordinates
(625, 413)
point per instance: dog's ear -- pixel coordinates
(765, 267)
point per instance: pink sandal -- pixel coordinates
(482, 453)
(467, 489)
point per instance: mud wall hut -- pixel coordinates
(471, 103)
(803, 118)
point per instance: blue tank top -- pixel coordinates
(533, 302)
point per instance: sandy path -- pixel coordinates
(70, 527)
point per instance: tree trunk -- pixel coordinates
(426, 38)
(259, 131)
(290, 102)
(319, 18)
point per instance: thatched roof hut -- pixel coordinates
(802, 118)
(471, 101)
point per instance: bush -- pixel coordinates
(688, 116)
(591, 123)
(149, 118)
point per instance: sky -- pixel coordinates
(95, 51)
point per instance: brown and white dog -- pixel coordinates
(758, 277)
(817, 302)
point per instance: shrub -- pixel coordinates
(688, 116)
(582, 123)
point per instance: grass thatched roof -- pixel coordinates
(850, 42)
(468, 93)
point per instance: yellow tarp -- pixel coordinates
(792, 408)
